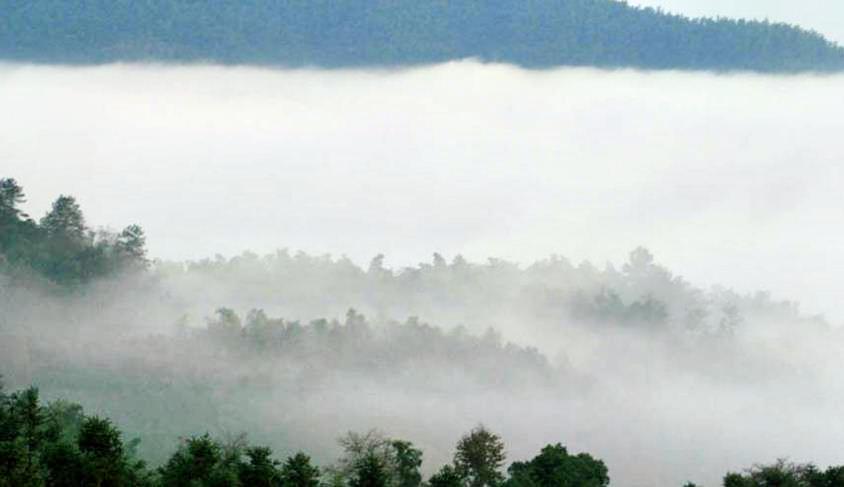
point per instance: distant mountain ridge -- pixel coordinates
(356, 33)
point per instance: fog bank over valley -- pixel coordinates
(722, 177)
(608, 259)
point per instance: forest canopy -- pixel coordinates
(350, 33)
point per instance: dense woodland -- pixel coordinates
(538, 33)
(57, 444)
(71, 296)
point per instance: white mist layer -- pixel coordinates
(732, 179)
(729, 179)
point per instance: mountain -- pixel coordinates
(351, 33)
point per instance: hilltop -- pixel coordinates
(355, 33)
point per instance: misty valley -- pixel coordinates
(153, 372)
(421, 243)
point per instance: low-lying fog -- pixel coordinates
(730, 179)
(727, 178)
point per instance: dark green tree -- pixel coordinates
(786, 474)
(193, 463)
(261, 470)
(447, 476)
(65, 220)
(18, 233)
(131, 247)
(11, 196)
(19, 439)
(408, 461)
(32, 432)
(369, 472)
(65, 465)
(61, 247)
(554, 467)
(102, 452)
(479, 457)
(297, 471)
(56, 446)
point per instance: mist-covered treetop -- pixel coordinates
(61, 248)
(639, 292)
(357, 33)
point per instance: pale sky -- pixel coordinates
(824, 16)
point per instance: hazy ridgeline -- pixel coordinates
(665, 379)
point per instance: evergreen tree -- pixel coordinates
(65, 220)
(131, 247)
(11, 196)
(102, 452)
(298, 472)
(261, 470)
(193, 463)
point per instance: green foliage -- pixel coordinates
(130, 246)
(61, 248)
(786, 474)
(102, 452)
(398, 461)
(298, 472)
(356, 344)
(261, 469)
(202, 461)
(408, 462)
(479, 458)
(197, 460)
(65, 221)
(554, 467)
(57, 446)
(447, 476)
(369, 472)
(11, 197)
(535, 33)
(64, 464)
(17, 230)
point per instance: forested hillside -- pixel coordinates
(294, 349)
(535, 33)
